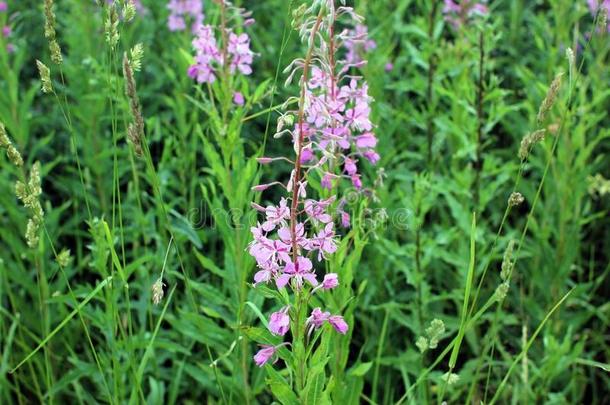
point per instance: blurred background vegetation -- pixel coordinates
(451, 112)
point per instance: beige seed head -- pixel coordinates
(603, 19)
(55, 52)
(64, 258)
(14, 156)
(507, 261)
(135, 130)
(550, 98)
(450, 378)
(157, 291)
(529, 141)
(136, 53)
(45, 77)
(111, 27)
(12, 153)
(515, 199)
(501, 291)
(32, 232)
(129, 10)
(49, 26)
(35, 183)
(5, 142)
(422, 344)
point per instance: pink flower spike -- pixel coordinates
(6, 31)
(249, 22)
(3, 6)
(338, 323)
(238, 99)
(331, 280)
(279, 322)
(264, 355)
(389, 67)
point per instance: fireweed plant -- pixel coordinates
(6, 32)
(129, 152)
(332, 135)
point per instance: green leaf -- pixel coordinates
(280, 388)
(360, 369)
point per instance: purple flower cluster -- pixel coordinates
(459, 13)
(593, 6)
(6, 29)
(209, 56)
(358, 44)
(337, 113)
(183, 12)
(333, 133)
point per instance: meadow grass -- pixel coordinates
(475, 267)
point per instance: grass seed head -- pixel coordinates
(551, 97)
(45, 77)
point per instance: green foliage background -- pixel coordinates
(100, 339)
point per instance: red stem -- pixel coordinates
(301, 123)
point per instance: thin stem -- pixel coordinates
(295, 188)
(479, 157)
(430, 83)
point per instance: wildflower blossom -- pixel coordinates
(332, 133)
(264, 355)
(241, 55)
(460, 13)
(338, 323)
(184, 13)
(317, 319)
(358, 44)
(210, 57)
(6, 30)
(331, 280)
(238, 99)
(297, 271)
(279, 322)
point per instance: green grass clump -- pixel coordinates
(475, 271)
